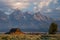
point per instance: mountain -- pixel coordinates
(26, 21)
(54, 14)
(29, 22)
(3, 21)
(3, 16)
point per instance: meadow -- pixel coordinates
(28, 37)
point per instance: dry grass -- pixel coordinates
(27, 37)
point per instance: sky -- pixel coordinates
(46, 7)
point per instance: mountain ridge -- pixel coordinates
(25, 21)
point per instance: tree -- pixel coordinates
(53, 28)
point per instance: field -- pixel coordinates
(28, 37)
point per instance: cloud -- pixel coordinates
(16, 3)
(55, 1)
(44, 3)
(20, 5)
(39, 5)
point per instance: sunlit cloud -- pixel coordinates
(17, 3)
(20, 5)
(38, 5)
(44, 3)
(24, 4)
